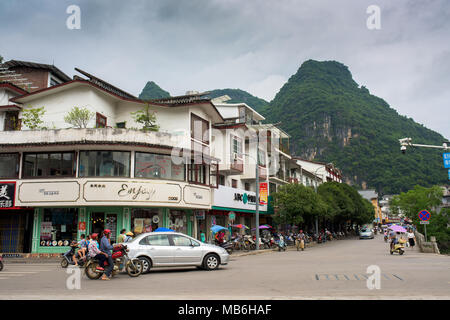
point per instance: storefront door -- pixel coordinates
(101, 220)
(15, 231)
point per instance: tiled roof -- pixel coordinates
(52, 68)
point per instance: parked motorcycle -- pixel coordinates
(121, 262)
(226, 245)
(67, 258)
(249, 244)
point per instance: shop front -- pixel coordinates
(64, 210)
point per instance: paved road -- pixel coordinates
(334, 270)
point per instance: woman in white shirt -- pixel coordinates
(411, 239)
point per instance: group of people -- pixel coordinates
(394, 237)
(101, 251)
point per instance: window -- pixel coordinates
(104, 164)
(156, 240)
(58, 227)
(233, 183)
(9, 165)
(157, 166)
(199, 129)
(261, 158)
(221, 180)
(53, 82)
(144, 220)
(247, 186)
(177, 221)
(181, 241)
(121, 125)
(61, 164)
(236, 148)
(100, 121)
(198, 173)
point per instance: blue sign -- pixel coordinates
(448, 174)
(446, 159)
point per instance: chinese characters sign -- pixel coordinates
(446, 159)
(263, 193)
(7, 193)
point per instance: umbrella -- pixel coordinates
(217, 228)
(397, 228)
(240, 226)
(164, 230)
(263, 227)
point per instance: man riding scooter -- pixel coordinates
(393, 239)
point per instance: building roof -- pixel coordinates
(12, 87)
(17, 63)
(368, 194)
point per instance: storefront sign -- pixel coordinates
(197, 195)
(7, 193)
(200, 215)
(119, 191)
(232, 216)
(232, 198)
(263, 193)
(68, 191)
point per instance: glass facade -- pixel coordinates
(60, 164)
(145, 220)
(157, 166)
(104, 164)
(58, 227)
(9, 165)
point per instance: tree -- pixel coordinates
(32, 118)
(297, 203)
(1, 59)
(146, 118)
(79, 117)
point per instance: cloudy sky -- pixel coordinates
(254, 45)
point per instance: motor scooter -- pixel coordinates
(399, 247)
(67, 258)
(226, 245)
(281, 244)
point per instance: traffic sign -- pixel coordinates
(424, 222)
(424, 215)
(448, 174)
(446, 157)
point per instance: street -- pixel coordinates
(334, 270)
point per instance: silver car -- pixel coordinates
(173, 249)
(366, 233)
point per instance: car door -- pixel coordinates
(158, 247)
(187, 250)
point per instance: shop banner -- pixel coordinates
(263, 193)
(7, 194)
(49, 192)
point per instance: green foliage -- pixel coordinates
(79, 117)
(1, 59)
(32, 118)
(239, 96)
(333, 202)
(153, 91)
(321, 106)
(146, 118)
(296, 202)
(420, 198)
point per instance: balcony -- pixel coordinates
(109, 136)
(250, 172)
(232, 167)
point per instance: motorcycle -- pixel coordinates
(399, 247)
(1, 263)
(281, 244)
(249, 244)
(226, 245)
(300, 244)
(67, 258)
(121, 262)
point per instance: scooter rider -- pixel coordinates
(393, 238)
(106, 247)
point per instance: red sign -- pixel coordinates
(263, 193)
(82, 226)
(424, 215)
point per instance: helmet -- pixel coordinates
(129, 233)
(301, 230)
(94, 236)
(107, 231)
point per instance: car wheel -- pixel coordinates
(146, 264)
(211, 262)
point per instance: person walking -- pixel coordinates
(106, 247)
(411, 239)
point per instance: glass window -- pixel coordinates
(9, 165)
(158, 166)
(181, 241)
(236, 147)
(143, 220)
(58, 227)
(104, 164)
(262, 158)
(177, 221)
(198, 173)
(199, 129)
(49, 164)
(158, 240)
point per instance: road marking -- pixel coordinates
(397, 277)
(358, 277)
(21, 272)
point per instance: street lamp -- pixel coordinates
(257, 197)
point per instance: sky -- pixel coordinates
(253, 45)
